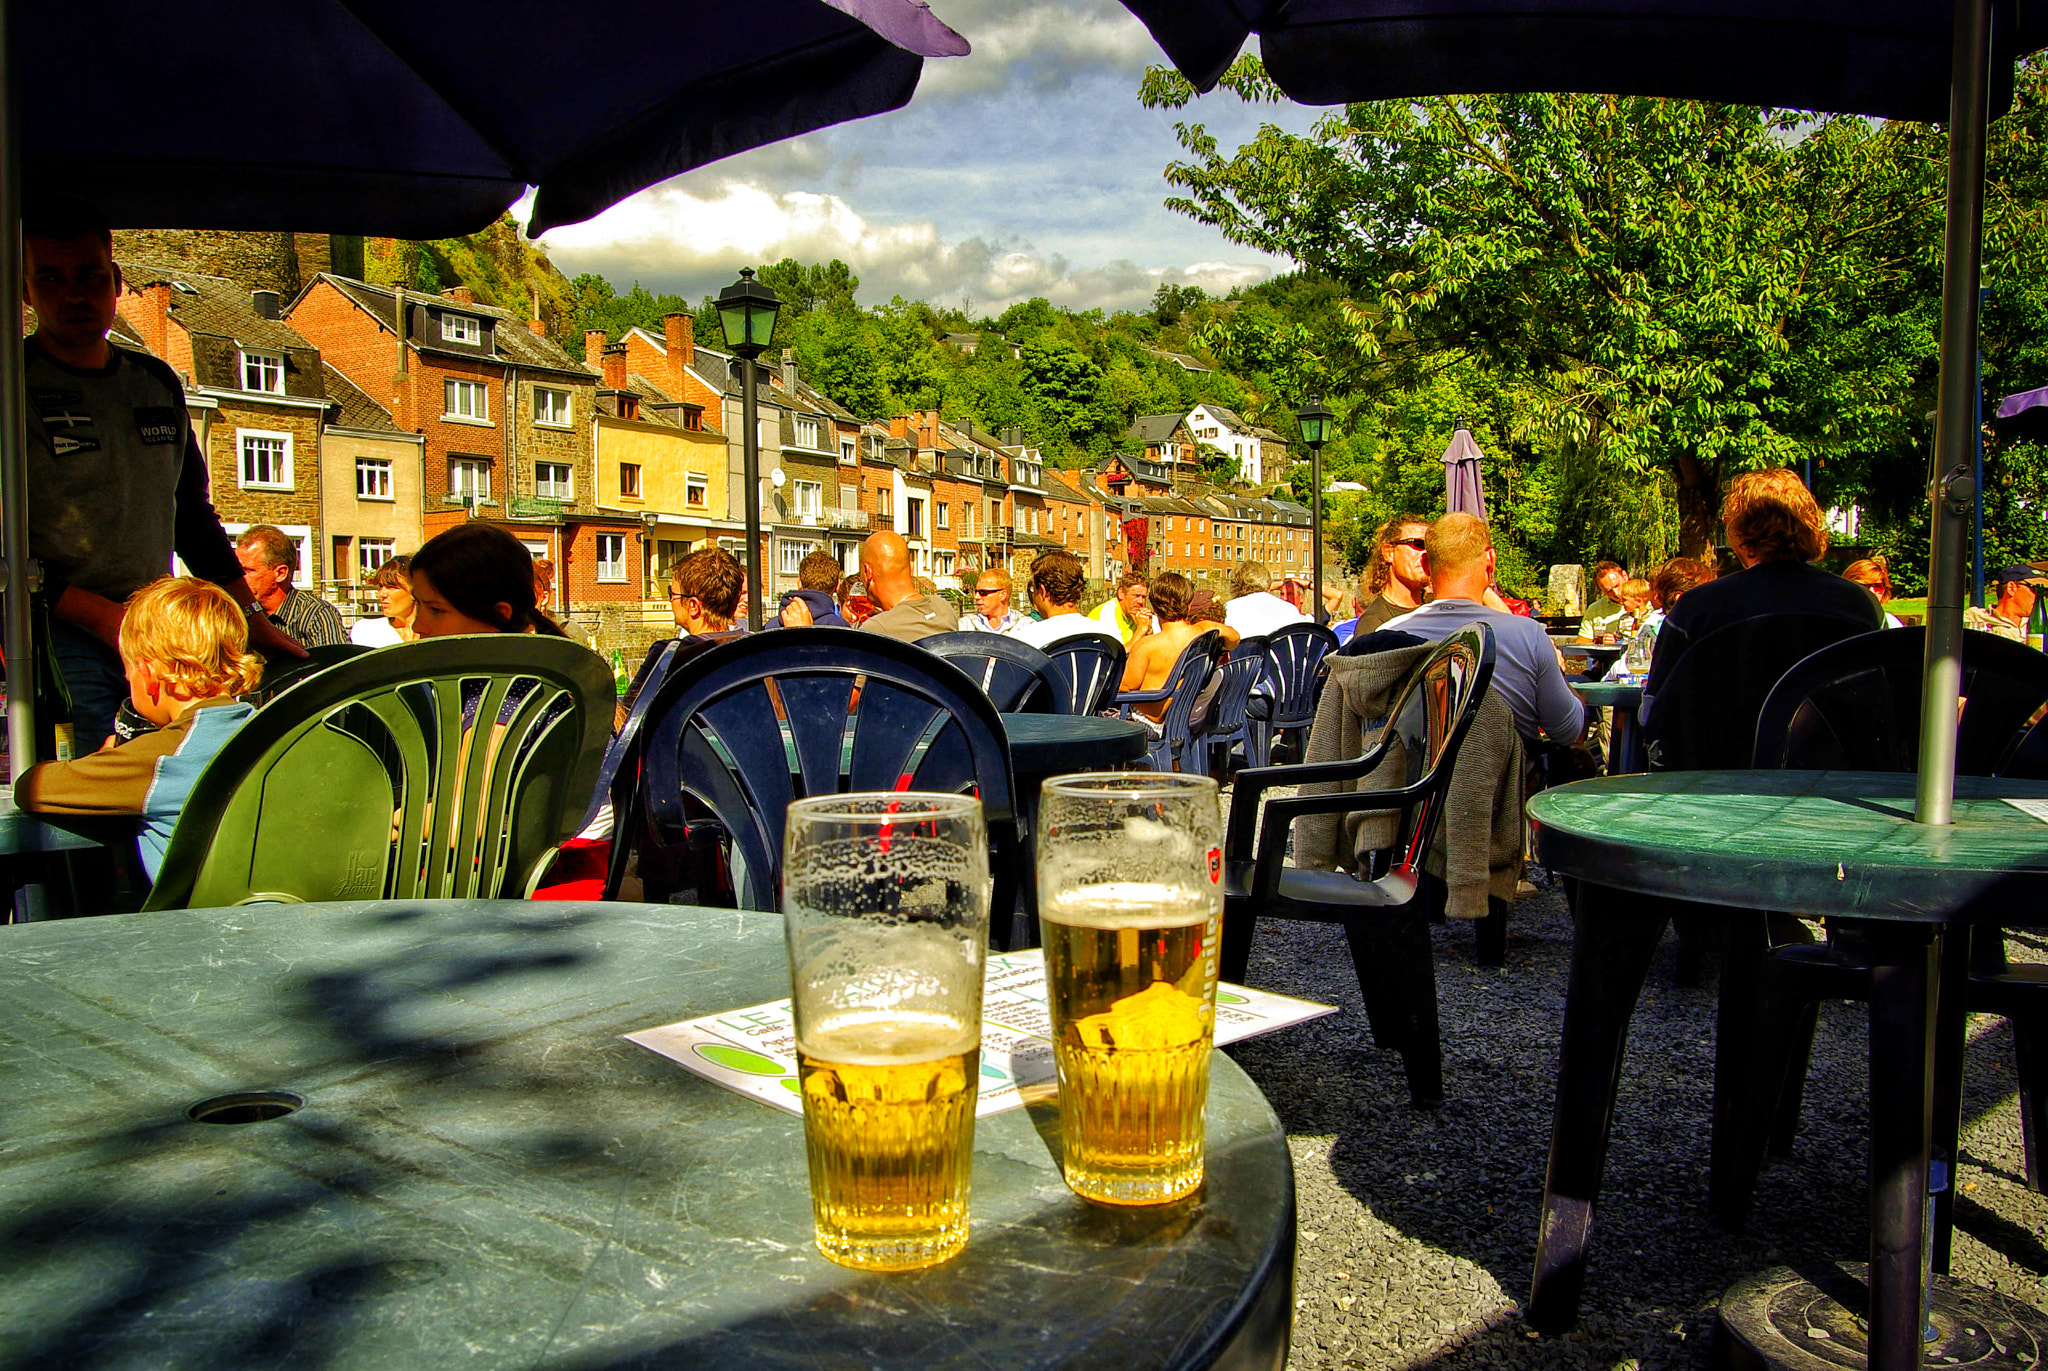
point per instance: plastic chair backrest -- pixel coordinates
(443, 768)
(1234, 695)
(282, 673)
(1083, 673)
(1190, 673)
(1009, 672)
(1253, 646)
(756, 723)
(1296, 653)
(1705, 715)
(1855, 705)
(1428, 722)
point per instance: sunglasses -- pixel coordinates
(992, 590)
(1415, 543)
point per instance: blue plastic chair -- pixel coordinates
(1229, 721)
(753, 724)
(1177, 739)
(1083, 673)
(1294, 683)
(1011, 673)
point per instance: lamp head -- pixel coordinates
(746, 315)
(1315, 418)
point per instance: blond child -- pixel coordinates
(184, 648)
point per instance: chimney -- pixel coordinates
(539, 327)
(613, 360)
(150, 313)
(789, 370)
(265, 303)
(461, 295)
(593, 348)
(401, 317)
(680, 332)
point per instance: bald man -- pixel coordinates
(906, 614)
(1457, 557)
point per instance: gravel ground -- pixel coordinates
(1417, 1229)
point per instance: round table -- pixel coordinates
(483, 1173)
(1623, 700)
(1832, 844)
(1599, 657)
(1044, 745)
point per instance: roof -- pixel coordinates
(1153, 428)
(219, 308)
(1186, 362)
(517, 345)
(1229, 418)
(354, 409)
(1146, 469)
(1268, 434)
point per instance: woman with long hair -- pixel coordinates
(475, 578)
(394, 597)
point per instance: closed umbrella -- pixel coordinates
(1464, 491)
(401, 118)
(1929, 60)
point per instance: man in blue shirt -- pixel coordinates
(1457, 555)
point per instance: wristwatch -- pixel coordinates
(253, 610)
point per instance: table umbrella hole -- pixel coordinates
(246, 1106)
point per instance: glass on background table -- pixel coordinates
(1840, 845)
(434, 1148)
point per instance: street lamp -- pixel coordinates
(746, 315)
(1315, 418)
(649, 521)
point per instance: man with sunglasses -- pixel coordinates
(992, 612)
(1394, 582)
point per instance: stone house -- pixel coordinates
(658, 462)
(257, 393)
(370, 501)
(1164, 440)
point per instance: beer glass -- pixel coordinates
(1130, 906)
(885, 903)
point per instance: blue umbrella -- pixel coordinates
(1464, 491)
(1931, 60)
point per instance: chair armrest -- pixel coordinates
(1281, 814)
(1135, 697)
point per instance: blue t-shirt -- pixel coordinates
(1525, 669)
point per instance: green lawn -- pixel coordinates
(1905, 607)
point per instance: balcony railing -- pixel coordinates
(847, 518)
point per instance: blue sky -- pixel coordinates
(1028, 168)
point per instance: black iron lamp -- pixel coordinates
(1315, 419)
(746, 315)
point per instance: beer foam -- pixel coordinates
(1128, 904)
(883, 1037)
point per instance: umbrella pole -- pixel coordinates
(1952, 490)
(14, 632)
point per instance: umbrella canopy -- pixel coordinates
(427, 118)
(1932, 60)
(1881, 57)
(2024, 415)
(1464, 491)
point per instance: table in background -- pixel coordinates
(1833, 844)
(484, 1174)
(1046, 745)
(1599, 657)
(1623, 746)
(38, 849)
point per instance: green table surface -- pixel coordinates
(1602, 694)
(1803, 842)
(484, 1174)
(1049, 744)
(22, 834)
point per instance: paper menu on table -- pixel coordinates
(2036, 808)
(753, 1050)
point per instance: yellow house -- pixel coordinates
(649, 463)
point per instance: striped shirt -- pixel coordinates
(310, 620)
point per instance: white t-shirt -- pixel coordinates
(1043, 633)
(377, 632)
(1260, 614)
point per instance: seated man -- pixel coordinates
(817, 577)
(269, 557)
(907, 612)
(1057, 581)
(2007, 615)
(1152, 657)
(1126, 613)
(1603, 617)
(1254, 611)
(1458, 557)
(992, 611)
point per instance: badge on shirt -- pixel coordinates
(64, 413)
(157, 424)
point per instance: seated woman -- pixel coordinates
(1872, 574)
(394, 597)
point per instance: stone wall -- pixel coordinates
(283, 262)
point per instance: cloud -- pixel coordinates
(679, 238)
(1053, 38)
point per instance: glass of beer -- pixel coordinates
(885, 902)
(1130, 907)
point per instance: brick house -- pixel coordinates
(370, 501)
(507, 419)
(257, 394)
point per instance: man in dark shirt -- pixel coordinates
(116, 480)
(1394, 582)
(1778, 532)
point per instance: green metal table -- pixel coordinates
(484, 1174)
(38, 849)
(1833, 844)
(1623, 699)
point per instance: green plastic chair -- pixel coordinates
(384, 777)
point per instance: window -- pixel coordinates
(460, 328)
(266, 459)
(466, 400)
(913, 517)
(551, 480)
(849, 497)
(846, 451)
(469, 478)
(792, 554)
(696, 490)
(693, 418)
(551, 407)
(375, 552)
(611, 558)
(807, 433)
(263, 371)
(810, 499)
(941, 513)
(966, 517)
(373, 478)
(629, 480)
(944, 563)
(885, 502)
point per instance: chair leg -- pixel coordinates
(1240, 922)
(1756, 1027)
(1792, 1089)
(1492, 934)
(2030, 1047)
(1395, 965)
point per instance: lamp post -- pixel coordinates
(746, 315)
(1314, 418)
(649, 521)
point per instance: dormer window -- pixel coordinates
(263, 372)
(460, 328)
